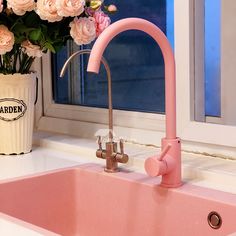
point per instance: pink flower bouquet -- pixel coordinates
(29, 28)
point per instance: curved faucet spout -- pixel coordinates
(108, 71)
(168, 164)
(151, 29)
(111, 154)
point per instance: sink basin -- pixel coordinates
(86, 201)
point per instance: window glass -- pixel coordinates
(212, 57)
(136, 64)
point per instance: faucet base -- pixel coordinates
(173, 178)
(111, 163)
(176, 185)
(112, 156)
(111, 170)
(167, 164)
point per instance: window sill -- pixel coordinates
(55, 151)
(198, 169)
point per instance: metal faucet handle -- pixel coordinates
(122, 157)
(99, 141)
(122, 146)
(100, 153)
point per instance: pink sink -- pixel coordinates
(85, 201)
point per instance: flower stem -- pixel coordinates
(15, 62)
(23, 62)
(1, 65)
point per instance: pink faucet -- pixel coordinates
(168, 163)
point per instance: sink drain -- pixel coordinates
(214, 220)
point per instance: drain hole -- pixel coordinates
(214, 220)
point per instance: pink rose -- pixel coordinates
(112, 8)
(1, 5)
(70, 7)
(83, 30)
(31, 50)
(6, 40)
(46, 9)
(102, 21)
(21, 7)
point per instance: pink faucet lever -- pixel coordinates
(165, 163)
(164, 152)
(169, 163)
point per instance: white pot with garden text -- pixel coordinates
(17, 98)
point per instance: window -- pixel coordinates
(135, 60)
(189, 50)
(201, 129)
(215, 74)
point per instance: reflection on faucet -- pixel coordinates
(168, 163)
(110, 153)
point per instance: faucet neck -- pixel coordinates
(151, 29)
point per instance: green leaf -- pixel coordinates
(44, 29)
(49, 46)
(20, 28)
(19, 39)
(35, 35)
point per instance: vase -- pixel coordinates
(17, 99)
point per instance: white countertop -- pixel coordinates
(53, 151)
(9, 228)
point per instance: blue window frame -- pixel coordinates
(136, 64)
